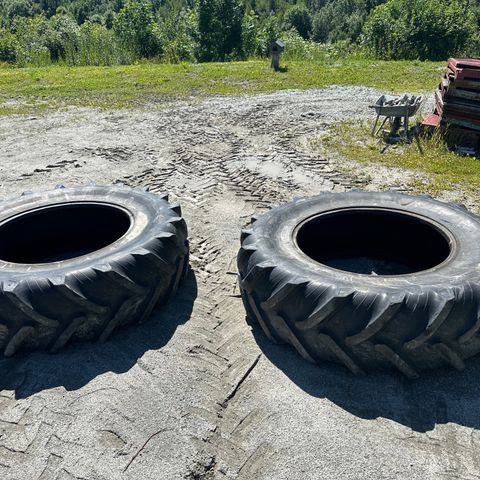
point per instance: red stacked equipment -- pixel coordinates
(457, 103)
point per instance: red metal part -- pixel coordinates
(431, 120)
(459, 63)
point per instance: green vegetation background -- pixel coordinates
(121, 32)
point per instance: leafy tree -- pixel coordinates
(19, 8)
(40, 40)
(109, 18)
(419, 29)
(96, 45)
(7, 46)
(249, 35)
(219, 34)
(268, 32)
(315, 5)
(84, 10)
(298, 17)
(321, 26)
(339, 20)
(230, 15)
(32, 38)
(209, 27)
(177, 33)
(62, 30)
(135, 26)
(49, 7)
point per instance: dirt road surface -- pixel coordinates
(197, 392)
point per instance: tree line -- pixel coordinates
(106, 32)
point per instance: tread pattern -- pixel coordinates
(91, 303)
(341, 355)
(361, 330)
(397, 361)
(450, 356)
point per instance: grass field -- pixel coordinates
(445, 170)
(23, 90)
(149, 85)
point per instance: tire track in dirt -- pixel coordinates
(225, 350)
(222, 160)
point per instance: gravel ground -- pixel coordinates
(197, 393)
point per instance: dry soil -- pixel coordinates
(197, 393)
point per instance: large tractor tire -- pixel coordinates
(368, 280)
(77, 263)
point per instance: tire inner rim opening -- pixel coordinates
(373, 241)
(61, 232)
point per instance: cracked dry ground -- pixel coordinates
(197, 393)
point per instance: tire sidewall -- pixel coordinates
(275, 239)
(146, 212)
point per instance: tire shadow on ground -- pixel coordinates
(437, 397)
(79, 363)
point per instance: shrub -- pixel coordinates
(249, 36)
(422, 29)
(219, 30)
(19, 8)
(177, 32)
(7, 46)
(298, 17)
(32, 38)
(62, 30)
(339, 20)
(136, 28)
(297, 48)
(267, 34)
(96, 45)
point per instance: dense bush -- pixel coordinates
(33, 37)
(219, 30)
(298, 17)
(177, 33)
(19, 8)
(339, 20)
(268, 32)
(422, 29)
(137, 29)
(7, 46)
(96, 45)
(107, 32)
(63, 31)
(297, 48)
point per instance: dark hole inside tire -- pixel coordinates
(380, 242)
(61, 232)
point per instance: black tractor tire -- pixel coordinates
(373, 281)
(77, 263)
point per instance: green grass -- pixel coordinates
(445, 170)
(26, 89)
